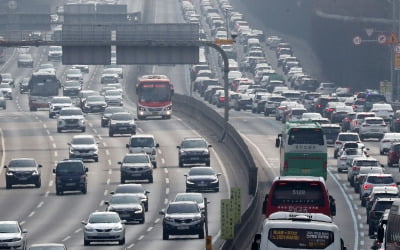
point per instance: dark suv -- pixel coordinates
(322, 102)
(182, 218)
(23, 171)
(194, 150)
(393, 155)
(70, 176)
(122, 123)
(376, 212)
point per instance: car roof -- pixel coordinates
(142, 136)
(83, 136)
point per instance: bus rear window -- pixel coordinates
(299, 238)
(298, 193)
(306, 136)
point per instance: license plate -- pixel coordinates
(3, 244)
(202, 184)
(135, 174)
(23, 178)
(305, 171)
(194, 158)
(70, 184)
(374, 130)
(183, 227)
(123, 128)
(154, 113)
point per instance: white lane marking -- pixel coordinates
(149, 229)
(131, 245)
(110, 171)
(105, 192)
(47, 194)
(108, 181)
(353, 216)
(104, 144)
(157, 220)
(54, 145)
(107, 152)
(40, 204)
(95, 131)
(66, 238)
(55, 153)
(141, 237)
(48, 132)
(167, 191)
(31, 214)
(162, 161)
(22, 222)
(44, 125)
(3, 157)
(167, 180)
(159, 151)
(109, 162)
(165, 201)
(50, 183)
(166, 170)
(101, 203)
(91, 124)
(51, 138)
(78, 230)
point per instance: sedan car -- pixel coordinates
(128, 206)
(136, 189)
(105, 117)
(48, 246)
(71, 88)
(94, 103)
(6, 90)
(194, 150)
(103, 227)
(3, 103)
(202, 179)
(7, 78)
(136, 166)
(387, 140)
(84, 147)
(122, 123)
(12, 235)
(113, 97)
(25, 60)
(182, 218)
(74, 74)
(23, 171)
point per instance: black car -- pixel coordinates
(83, 94)
(376, 212)
(183, 218)
(345, 124)
(94, 104)
(24, 85)
(136, 189)
(322, 102)
(107, 113)
(202, 179)
(194, 150)
(71, 175)
(136, 166)
(128, 206)
(331, 132)
(122, 123)
(72, 88)
(23, 171)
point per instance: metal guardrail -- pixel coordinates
(213, 121)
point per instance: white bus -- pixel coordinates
(290, 230)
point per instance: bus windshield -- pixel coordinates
(298, 193)
(306, 136)
(154, 92)
(43, 85)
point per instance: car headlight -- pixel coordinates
(10, 173)
(35, 172)
(168, 108)
(205, 152)
(154, 152)
(82, 122)
(197, 218)
(16, 239)
(168, 219)
(139, 211)
(183, 152)
(215, 181)
(117, 228)
(89, 229)
(189, 182)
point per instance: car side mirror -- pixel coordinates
(210, 146)
(162, 212)
(24, 231)
(84, 222)
(69, 144)
(112, 192)
(127, 145)
(5, 166)
(147, 192)
(157, 145)
(120, 162)
(185, 175)
(277, 142)
(178, 147)
(40, 166)
(219, 174)
(86, 170)
(54, 171)
(382, 165)
(107, 203)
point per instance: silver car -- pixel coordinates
(103, 226)
(12, 236)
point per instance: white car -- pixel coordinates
(309, 116)
(383, 110)
(12, 236)
(84, 147)
(57, 103)
(387, 140)
(343, 138)
(104, 227)
(347, 156)
(71, 118)
(6, 89)
(113, 97)
(373, 127)
(74, 74)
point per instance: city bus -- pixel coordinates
(42, 87)
(303, 149)
(305, 194)
(154, 96)
(290, 230)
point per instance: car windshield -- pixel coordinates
(331, 130)
(69, 168)
(383, 205)
(348, 137)
(104, 218)
(111, 110)
(74, 71)
(201, 171)
(69, 112)
(130, 189)
(142, 142)
(193, 144)
(182, 208)
(367, 163)
(21, 163)
(113, 93)
(136, 159)
(380, 179)
(9, 228)
(61, 100)
(190, 197)
(4, 85)
(72, 84)
(95, 98)
(82, 140)
(122, 117)
(374, 121)
(125, 199)
(353, 151)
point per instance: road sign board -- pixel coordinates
(236, 204)
(369, 31)
(397, 49)
(381, 39)
(392, 39)
(227, 226)
(223, 41)
(397, 61)
(357, 40)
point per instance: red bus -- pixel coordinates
(303, 194)
(154, 96)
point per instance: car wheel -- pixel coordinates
(146, 206)
(155, 164)
(165, 235)
(143, 220)
(381, 152)
(86, 242)
(352, 182)
(390, 164)
(50, 115)
(38, 184)
(59, 192)
(122, 180)
(207, 163)
(201, 234)
(96, 159)
(362, 202)
(151, 179)
(122, 242)
(253, 111)
(357, 189)
(59, 130)
(8, 185)
(83, 130)
(84, 190)
(266, 113)
(339, 170)
(180, 164)
(111, 134)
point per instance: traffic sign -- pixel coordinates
(381, 39)
(357, 40)
(392, 39)
(397, 49)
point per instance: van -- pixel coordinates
(293, 230)
(71, 175)
(144, 143)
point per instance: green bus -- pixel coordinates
(303, 149)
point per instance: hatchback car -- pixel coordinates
(194, 150)
(128, 206)
(136, 166)
(121, 123)
(23, 171)
(136, 189)
(103, 227)
(182, 218)
(387, 140)
(202, 179)
(12, 235)
(373, 127)
(84, 147)
(374, 180)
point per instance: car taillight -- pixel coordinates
(346, 119)
(338, 142)
(282, 108)
(367, 186)
(355, 122)
(385, 141)
(343, 158)
(398, 120)
(319, 105)
(355, 168)
(329, 110)
(221, 98)
(365, 125)
(354, 106)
